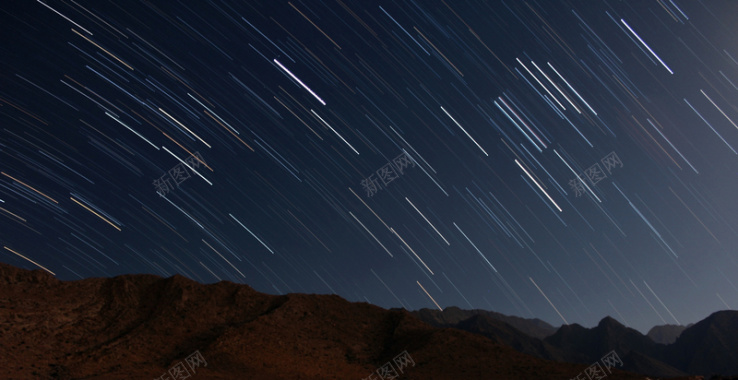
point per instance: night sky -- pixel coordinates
(564, 160)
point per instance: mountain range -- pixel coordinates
(145, 326)
(706, 348)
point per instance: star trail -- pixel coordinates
(564, 160)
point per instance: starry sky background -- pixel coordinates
(293, 108)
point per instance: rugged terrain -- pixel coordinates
(142, 326)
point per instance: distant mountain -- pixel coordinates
(666, 334)
(707, 348)
(535, 328)
(588, 345)
(142, 326)
(638, 352)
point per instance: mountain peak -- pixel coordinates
(610, 322)
(710, 345)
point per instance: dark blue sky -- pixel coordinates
(565, 160)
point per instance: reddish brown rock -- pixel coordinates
(140, 326)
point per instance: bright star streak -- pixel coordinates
(411, 250)
(96, 214)
(662, 304)
(680, 11)
(539, 186)
(709, 125)
(35, 263)
(65, 17)
(300, 82)
(182, 125)
(182, 211)
(252, 234)
(647, 47)
(556, 87)
(467, 133)
(334, 131)
(572, 88)
(475, 247)
(370, 233)
(549, 301)
(130, 129)
(541, 84)
(187, 165)
(718, 108)
(30, 187)
(428, 221)
(522, 121)
(429, 296)
(518, 126)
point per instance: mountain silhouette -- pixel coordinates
(710, 346)
(587, 345)
(666, 334)
(707, 348)
(143, 326)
